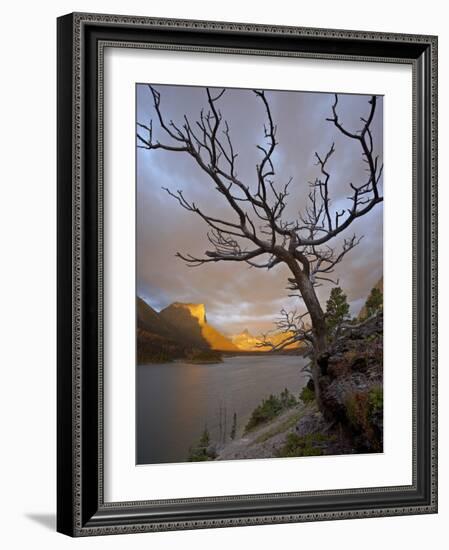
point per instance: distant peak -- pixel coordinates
(245, 333)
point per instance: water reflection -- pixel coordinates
(176, 400)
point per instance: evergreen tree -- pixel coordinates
(201, 451)
(337, 309)
(374, 302)
(205, 438)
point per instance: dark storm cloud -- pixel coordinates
(237, 296)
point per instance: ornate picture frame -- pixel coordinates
(81, 508)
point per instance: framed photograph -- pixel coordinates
(247, 271)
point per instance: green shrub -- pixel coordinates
(357, 410)
(360, 407)
(270, 408)
(304, 445)
(307, 395)
(202, 451)
(375, 404)
(375, 400)
(287, 399)
(374, 303)
(363, 411)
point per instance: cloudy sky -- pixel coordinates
(238, 296)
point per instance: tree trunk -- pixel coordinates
(318, 319)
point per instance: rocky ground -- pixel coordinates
(268, 441)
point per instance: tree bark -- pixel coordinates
(319, 330)
(317, 317)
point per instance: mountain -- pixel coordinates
(156, 340)
(191, 326)
(248, 342)
(148, 319)
(181, 330)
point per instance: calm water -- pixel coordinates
(176, 400)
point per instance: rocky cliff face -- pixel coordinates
(351, 384)
(197, 311)
(191, 324)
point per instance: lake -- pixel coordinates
(175, 401)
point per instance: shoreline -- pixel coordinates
(225, 354)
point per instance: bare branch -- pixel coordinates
(292, 325)
(230, 255)
(364, 197)
(343, 327)
(257, 230)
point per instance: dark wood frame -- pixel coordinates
(81, 509)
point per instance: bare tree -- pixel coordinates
(257, 231)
